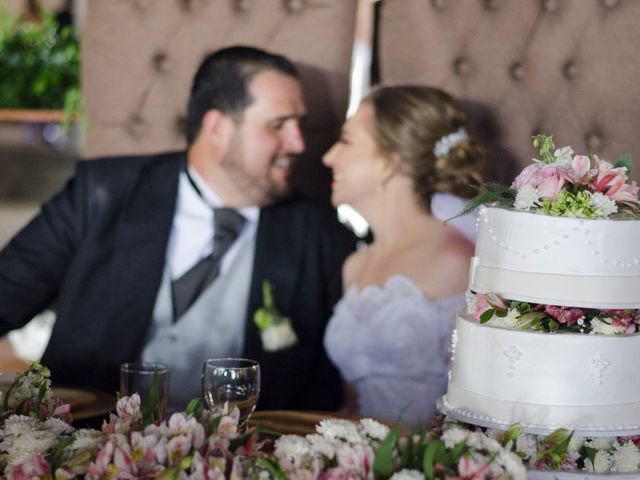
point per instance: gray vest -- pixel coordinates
(214, 326)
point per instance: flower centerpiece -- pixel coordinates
(38, 441)
(563, 184)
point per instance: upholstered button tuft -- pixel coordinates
(462, 67)
(136, 126)
(160, 62)
(190, 5)
(439, 4)
(181, 124)
(491, 5)
(550, 5)
(517, 71)
(242, 5)
(594, 141)
(570, 69)
(295, 6)
(610, 3)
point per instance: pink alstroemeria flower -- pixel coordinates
(336, 473)
(579, 172)
(35, 467)
(612, 182)
(564, 315)
(469, 469)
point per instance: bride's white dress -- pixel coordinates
(393, 345)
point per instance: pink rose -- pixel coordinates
(548, 179)
(527, 176)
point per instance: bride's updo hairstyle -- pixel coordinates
(426, 129)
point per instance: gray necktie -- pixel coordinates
(186, 289)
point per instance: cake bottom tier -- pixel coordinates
(586, 383)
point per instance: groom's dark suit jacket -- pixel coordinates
(97, 252)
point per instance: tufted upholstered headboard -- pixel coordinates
(566, 67)
(139, 56)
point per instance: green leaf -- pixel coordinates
(487, 315)
(625, 160)
(489, 192)
(383, 460)
(270, 467)
(435, 451)
(195, 408)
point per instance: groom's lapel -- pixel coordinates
(140, 250)
(278, 259)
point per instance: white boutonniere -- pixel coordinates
(276, 330)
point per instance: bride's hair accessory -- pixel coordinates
(446, 143)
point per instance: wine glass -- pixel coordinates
(235, 381)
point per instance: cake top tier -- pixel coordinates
(567, 185)
(557, 261)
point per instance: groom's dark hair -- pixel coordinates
(222, 83)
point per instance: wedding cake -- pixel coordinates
(549, 340)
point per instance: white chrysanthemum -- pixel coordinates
(86, 439)
(294, 445)
(604, 203)
(576, 443)
(626, 458)
(563, 155)
(603, 328)
(489, 444)
(22, 447)
(406, 474)
(512, 465)
(321, 445)
(527, 197)
(526, 445)
(601, 462)
(57, 426)
(374, 429)
(337, 428)
(510, 320)
(601, 443)
(19, 424)
(454, 436)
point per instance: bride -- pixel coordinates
(403, 155)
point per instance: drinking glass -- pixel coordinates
(235, 381)
(139, 377)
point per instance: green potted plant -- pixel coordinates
(39, 65)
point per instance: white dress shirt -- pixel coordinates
(191, 237)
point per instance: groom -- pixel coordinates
(142, 262)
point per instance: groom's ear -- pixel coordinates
(217, 127)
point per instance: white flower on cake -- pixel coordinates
(626, 458)
(603, 203)
(601, 462)
(602, 327)
(528, 197)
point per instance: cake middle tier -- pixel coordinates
(557, 261)
(586, 383)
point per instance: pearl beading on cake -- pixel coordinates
(463, 415)
(564, 238)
